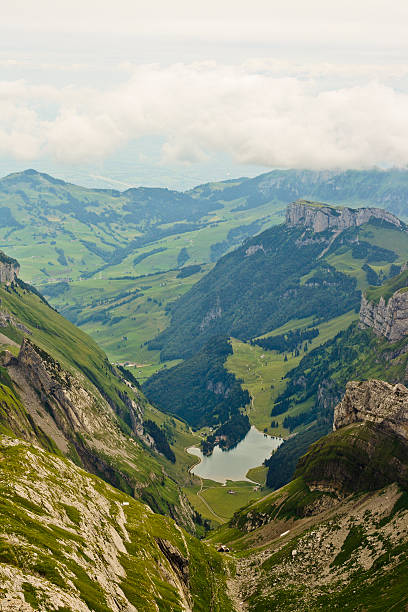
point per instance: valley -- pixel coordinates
(244, 351)
(263, 372)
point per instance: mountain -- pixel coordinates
(199, 389)
(71, 542)
(385, 189)
(297, 270)
(87, 248)
(93, 478)
(335, 537)
(202, 392)
(78, 232)
(58, 390)
(286, 297)
(375, 346)
(108, 226)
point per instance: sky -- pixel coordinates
(179, 93)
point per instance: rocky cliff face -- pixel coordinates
(388, 319)
(61, 410)
(9, 269)
(368, 448)
(374, 401)
(321, 217)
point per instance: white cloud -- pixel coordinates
(251, 112)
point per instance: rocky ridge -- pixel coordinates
(321, 217)
(341, 526)
(65, 405)
(63, 413)
(386, 318)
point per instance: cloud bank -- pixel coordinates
(251, 112)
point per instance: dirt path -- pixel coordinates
(219, 518)
(7, 341)
(200, 497)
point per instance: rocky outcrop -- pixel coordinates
(69, 541)
(65, 398)
(388, 319)
(374, 401)
(9, 269)
(212, 315)
(321, 217)
(7, 319)
(368, 448)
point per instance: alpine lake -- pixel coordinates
(233, 464)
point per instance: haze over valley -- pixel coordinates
(203, 306)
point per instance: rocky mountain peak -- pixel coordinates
(9, 269)
(374, 401)
(321, 217)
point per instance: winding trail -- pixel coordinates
(219, 518)
(200, 497)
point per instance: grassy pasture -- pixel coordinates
(262, 372)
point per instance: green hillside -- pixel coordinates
(69, 541)
(61, 391)
(200, 389)
(99, 510)
(256, 289)
(282, 274)
(72, 241)
(334, 537)
(79, 233)
(315, 386)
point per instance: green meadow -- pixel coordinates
(263, 372)
(217, 502)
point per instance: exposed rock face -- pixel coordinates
(321, 217)
(68, 402)
(7, 319)
(93, 548)
(213, 314)
(9, 269)
(388, 319)
(374, 401)
(57, 408)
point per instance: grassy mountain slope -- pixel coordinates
(79, 232)
(317, 383)
(69, 541)
(60, 390)
(255, 289)
(124, 314)
(282, 274)
(62, 233)
(263, 372)
(336, 536)
(279, 292)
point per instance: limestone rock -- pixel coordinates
(374, 401)
(321, 217)
(9, 269)
(7, 319)
(388, 319)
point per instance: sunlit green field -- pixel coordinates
(262, 371)
(122, 315)
(222, 500)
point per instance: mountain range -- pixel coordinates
(302, 330)
(72, 541)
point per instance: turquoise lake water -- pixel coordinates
(235, 463)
